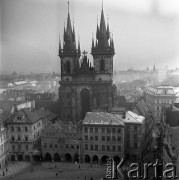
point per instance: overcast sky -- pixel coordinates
(144, 33)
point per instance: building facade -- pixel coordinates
(61, 142)
(84, 88)
(102, 137)
(159, 97)
(24, 128)
(4, 144)
(134, 134)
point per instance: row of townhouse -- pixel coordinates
(100, 135)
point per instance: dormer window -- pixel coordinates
(19, 117)
(38, 97)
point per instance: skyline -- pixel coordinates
(143, 35)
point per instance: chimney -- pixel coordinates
(124, 114)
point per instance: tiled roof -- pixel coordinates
(143, 108)
(163, 90)
(6, 107)
(102, 118)
(28, 116)
(131, 117)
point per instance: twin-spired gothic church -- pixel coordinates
(84, 88)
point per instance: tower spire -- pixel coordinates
(59, 45)
(68, 6)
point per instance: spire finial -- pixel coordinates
(68, 6)
(102, 4)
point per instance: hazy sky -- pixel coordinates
(143, 32)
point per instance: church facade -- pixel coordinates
(83, 87)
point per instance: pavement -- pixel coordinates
(13, 168)
(64, 165)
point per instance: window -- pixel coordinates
(12, 129)
(18, 129)
(45, 145)
(13, 148)
(26, 129)
(135, 136)
(119, 148)
(108, 148)
(72, 146)
(119, 130)
(96, 130)
(86, 146)
(26, 138)
(113, 148)
(91, 138)
(103, 147)
(91, 130)
(91, 147)
(96, 147)
(135, 128)
(103, 130)
(108, 130)
(128, 136)
(113, 138)
(103, 138)
(27, 147)
(157, 108)
(102, 65)
(67, 146)
(119, 138)
(77, 147)
(56, 146)
(86, 129)
(68, 70)
(19, 138)
(135, 145)
(86, 137)
(108, 138)
(96, 138)
(50, 145)
(113, 130)
(12, 138)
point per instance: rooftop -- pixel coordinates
(102, 118)
(163, 90)
(131, 117)
(27, 116)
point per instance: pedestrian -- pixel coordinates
(11, 178)
(3, 173)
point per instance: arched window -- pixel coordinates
(102, 65)
(68, 67)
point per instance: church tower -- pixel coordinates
(84, 88)
(69, 55)
(103, 51)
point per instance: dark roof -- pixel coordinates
(101, 118)
(6, 107)
(28, 116)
